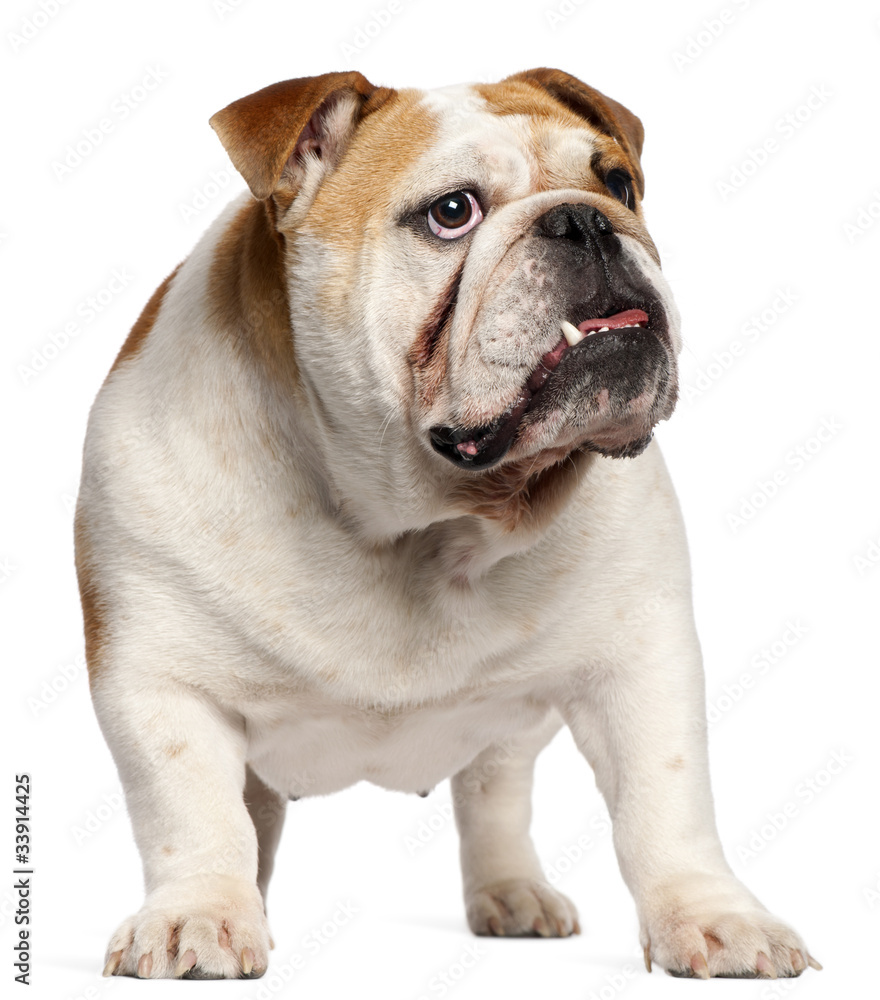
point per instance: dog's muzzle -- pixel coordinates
(616, 349)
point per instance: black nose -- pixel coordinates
(582, 224)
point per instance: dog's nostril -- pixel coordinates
(576, 222)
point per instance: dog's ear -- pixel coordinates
(287, 131)
(601, 112)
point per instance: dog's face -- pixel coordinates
(469, 272)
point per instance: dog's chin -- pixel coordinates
(624, 434)
(605, 394)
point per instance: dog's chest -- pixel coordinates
(390, 629)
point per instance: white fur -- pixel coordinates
(289, 591)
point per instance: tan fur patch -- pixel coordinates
(543, 94)
(368, 180)
(526, 494)
(248, 294)
(370, 174)
(138, 335)
(604, 114)
(515, 97)
(94, 622)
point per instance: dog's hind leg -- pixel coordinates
(267, 809)
(506, 893)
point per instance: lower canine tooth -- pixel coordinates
(571, 333)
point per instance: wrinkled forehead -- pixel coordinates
(513, 135)
(507, 139)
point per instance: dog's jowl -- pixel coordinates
(370, 493)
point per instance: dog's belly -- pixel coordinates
(321, 747)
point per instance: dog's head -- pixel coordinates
(471, 284)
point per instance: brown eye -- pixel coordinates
(619, 184)
(454, 215)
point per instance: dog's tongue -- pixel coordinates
(627, 318)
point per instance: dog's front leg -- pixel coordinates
(181, 759)
(641, 724)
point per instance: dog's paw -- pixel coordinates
(521, 907)
(205, 927)
(702, 927)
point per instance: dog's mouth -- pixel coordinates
(599, 337)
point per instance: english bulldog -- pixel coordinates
(370, 494)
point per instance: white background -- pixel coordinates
(798, 572)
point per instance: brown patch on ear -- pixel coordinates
(94, 623)
(144, 323)
(376, 163)
(261, 131)
(247, 292)
(526, 494)
(603, 113)
(358, 199)
(516, 97)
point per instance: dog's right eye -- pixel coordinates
(619, 184)
(454, 214)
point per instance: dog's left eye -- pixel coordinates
(619, 183)
(454, 214)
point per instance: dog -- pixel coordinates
(371, 493)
